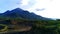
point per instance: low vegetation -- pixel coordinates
(38, 26)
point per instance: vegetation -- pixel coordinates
(38, 26)
(3, 28)
(47, 27)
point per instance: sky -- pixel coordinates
(45, 8)
(8, 5)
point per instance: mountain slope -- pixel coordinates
(23, 14)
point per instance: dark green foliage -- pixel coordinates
(47, 27)
(38, 26)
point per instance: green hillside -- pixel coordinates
(37, 26)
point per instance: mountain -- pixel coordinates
(23, 14)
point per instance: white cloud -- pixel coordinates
(52, 8)
(25, 2)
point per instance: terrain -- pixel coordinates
(19, 21)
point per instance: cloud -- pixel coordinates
(52, 10)
(26, 4)
(40, 9)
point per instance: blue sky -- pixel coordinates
(8, 5)
(12, 4)
(45, 8)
